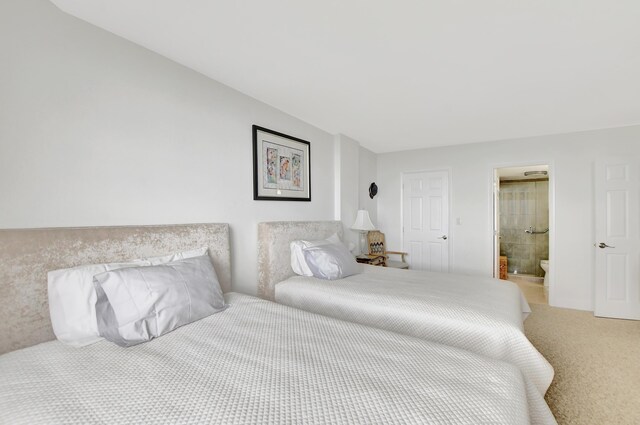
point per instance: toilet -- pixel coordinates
(545, 266)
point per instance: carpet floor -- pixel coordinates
(596, 362)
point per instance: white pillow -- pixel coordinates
(72, 297)
(137, 304)
(330, 261)
(298, 262)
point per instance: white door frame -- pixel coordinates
(552, 216)
(495, 187)
(450, 233)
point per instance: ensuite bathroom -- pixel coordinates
(524, 226)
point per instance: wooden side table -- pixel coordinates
(373, 260)
(503, 268)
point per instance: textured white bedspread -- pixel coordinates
(478, 314)
(263, 363)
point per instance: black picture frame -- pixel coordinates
(281, 166)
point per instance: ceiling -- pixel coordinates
(405, 74)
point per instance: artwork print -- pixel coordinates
(271, 166)
(295, 170)
(285, 168)
(281, 166)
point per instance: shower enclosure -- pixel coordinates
(524, 225)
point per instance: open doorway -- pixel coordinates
(522, 228)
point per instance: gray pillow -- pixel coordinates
(136, 304)
(330, 262)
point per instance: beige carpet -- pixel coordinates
(596, 362)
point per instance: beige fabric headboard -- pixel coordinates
(26, 255)
(274, 258)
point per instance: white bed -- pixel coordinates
(259, 362)
(255, 362)
(482, 315)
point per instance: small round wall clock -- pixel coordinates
(373, 190)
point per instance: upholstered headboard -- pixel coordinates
(26, 255)
(274, 258)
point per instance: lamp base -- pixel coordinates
(363, 243)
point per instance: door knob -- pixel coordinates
(604, 245)
(443, 237)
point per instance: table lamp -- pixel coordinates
(362, 224)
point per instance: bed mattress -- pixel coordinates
(259, 362)
(478, 314)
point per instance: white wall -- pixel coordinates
(571, 157)
(355, 169)
(346, 193)
(95, 130)
(367, 174)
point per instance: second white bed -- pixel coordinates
(482, 315)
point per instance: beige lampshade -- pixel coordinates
(363, 221)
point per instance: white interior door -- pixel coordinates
(425, 220)
(617, 245)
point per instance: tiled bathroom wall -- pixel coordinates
(524, 204)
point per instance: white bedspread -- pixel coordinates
(263, 363)
(478, 314)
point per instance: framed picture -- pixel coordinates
(281, 167)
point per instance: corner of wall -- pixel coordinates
(367, 174)
(337, 175)
(347, 156)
